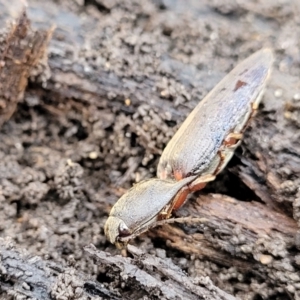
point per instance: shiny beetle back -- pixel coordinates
(225, 109)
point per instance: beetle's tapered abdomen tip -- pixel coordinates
(266, 55)
(269, 52)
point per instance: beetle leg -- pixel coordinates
(232, 139)
(179, 199)
(198, 184)
(254, 108)
(177, 202)
(231, 142)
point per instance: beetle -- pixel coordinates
(197, 153)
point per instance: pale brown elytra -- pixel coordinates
(198, 151)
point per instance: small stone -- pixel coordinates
(278, 93)
(25, 286)
(296, 97)
(127, 102)
(291, 289)
(93, 155)
(287, 115)
(161, 253)
(265, 259)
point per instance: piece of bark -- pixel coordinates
(154, 277)
(271, 168)
(21, 50)
(24, 276)
(247, 236)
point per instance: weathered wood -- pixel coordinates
(247, 236)
(25, 276)
(156, 276)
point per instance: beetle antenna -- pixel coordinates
(182, 220)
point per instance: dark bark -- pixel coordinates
(247, 236)
(23, 276)
(158, 277)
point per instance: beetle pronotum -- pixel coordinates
(197, 153)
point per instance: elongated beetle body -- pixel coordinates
(198, 151)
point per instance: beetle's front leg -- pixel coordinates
(196, 185)
(200, 182)
(232, 139)
(177, 202)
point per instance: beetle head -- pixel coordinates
(115, 229)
